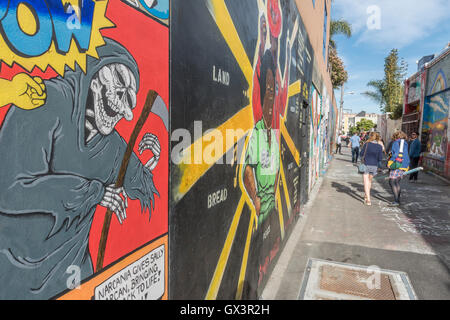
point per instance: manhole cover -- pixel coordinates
(326, 280)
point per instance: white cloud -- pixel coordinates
(402, 22)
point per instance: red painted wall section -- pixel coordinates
(144, 33)
(148, 41)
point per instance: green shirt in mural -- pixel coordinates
(265, 161)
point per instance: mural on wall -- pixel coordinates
(414, 89)
(158, 9)
(439, 82)
(434, 130)
(326, 131)
(332, 124)
(323, 129)
(435, 133)
(84, 150)
(246, 77)
(315, 137)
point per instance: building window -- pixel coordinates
(314, 3)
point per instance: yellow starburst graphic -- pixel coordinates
(58, 60)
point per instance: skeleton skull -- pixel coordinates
(114, 96)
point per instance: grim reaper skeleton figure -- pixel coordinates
(111, 98)
(59, 162)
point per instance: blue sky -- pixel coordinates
(415, 27)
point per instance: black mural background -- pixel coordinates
(197, 234)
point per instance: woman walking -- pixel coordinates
(371, 155)
(381, 143)
(398, 163)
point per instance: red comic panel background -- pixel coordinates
(148, 42)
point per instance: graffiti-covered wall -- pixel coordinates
(323, 121)
(101, 99)
(239, 131)
(438, 78)
(84, 97)
(316, 137)
(435, 121)
(435, 132)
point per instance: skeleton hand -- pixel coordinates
(113, 201)
(150, 141)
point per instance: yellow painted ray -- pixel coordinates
(223, 259)
(242, 120)
(285, 189)
(192, 172)
(294, 88)
(290, 143)
(231, 36)
(280, 213)
(245, 259)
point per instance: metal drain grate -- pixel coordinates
(326, 280)
(355, 282)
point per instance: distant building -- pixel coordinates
(423, 61)
(351, 119)
(347, 121)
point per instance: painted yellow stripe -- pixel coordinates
(295, 88)
(290, 143)
(245, 259)
(248, 201)
(231, 36)
(223, 259)
(192, 172)
(286, 193)
(280, 214)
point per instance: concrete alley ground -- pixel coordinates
(413, 238)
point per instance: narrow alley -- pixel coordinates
(337, 226)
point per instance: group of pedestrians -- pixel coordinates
(403, 154)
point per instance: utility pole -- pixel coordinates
(341, 111)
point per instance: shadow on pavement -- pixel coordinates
(422, 225)
(425, 211)
(344, 189)
(373, 193)
(345, 160)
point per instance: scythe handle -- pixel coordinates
(151, 97)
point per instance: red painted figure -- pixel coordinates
(275, 22)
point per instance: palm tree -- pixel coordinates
(378, 92)
(338, 73)
(337, 27)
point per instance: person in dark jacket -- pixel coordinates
(371, 155)
(389, 146)
(414, 155)
(399, 153)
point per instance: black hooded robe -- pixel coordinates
(51, 182)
